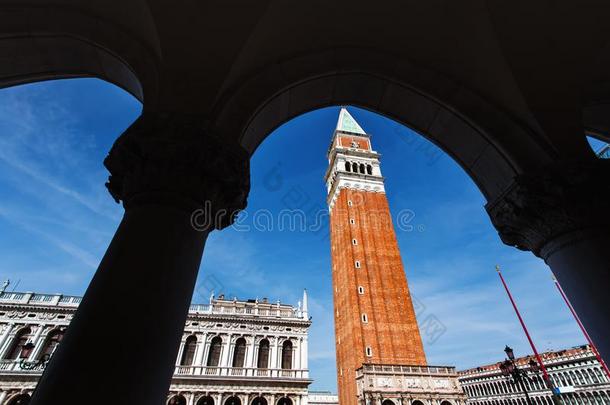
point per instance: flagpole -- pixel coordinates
(545, 374)
(582, 327)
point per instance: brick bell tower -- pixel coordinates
(374, 316)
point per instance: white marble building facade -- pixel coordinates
(575, 372)
(232, 352)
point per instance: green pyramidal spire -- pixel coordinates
(347, 123)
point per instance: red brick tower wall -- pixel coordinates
(391, 330)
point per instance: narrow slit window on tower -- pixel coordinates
(357, 264)
(349, 203)
(362, 168)
(365, 319)
(369, 351)
(360, 289)
(348, 166)
(369, 169)
(352, 221)
(354, 242)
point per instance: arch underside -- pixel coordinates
(490, 146)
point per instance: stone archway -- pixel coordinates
(502, 117)
(206, 400)
(388, 402)
(232, 400)
(20, 399)
(177, 400)
(259, 401)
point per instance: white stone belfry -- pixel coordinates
(353, 163)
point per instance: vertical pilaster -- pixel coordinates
(38, 343)
(201, 343)
(5, 338)
(227, 346)
(251, 348)
(273, 355)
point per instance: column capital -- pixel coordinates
(560, 204)
(170, 159)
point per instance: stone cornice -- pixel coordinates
(554, 206)
(248, 319)
(168, 158)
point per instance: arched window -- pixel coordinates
(214, 354)
(348, 166)
(188, 353)
(234, 400)
(21, 399)
(21, 338)
(259, 401)
(418, 403)
(287, 355)
(284, 401)
(387, 402)
(51, 343)
(263, 354)
(599, 374)
(445, 403)
(207, 400)
(369, 169)
(362, 168)
(177, 400)
(239, 355)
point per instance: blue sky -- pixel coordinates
(56, 220)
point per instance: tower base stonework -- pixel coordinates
(383, 384)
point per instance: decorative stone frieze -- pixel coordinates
(542, 211)
(168, 158)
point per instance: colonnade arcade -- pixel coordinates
(208, 398)
(483, 84)
(241, 351)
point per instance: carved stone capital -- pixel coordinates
(561, 203)
(170, 159)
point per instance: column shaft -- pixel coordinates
(128, 327)
(582, 267)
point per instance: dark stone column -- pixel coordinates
(561, 214)
(177, 183)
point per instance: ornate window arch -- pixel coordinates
(205, 400)
(233, 400)
(188, 352)
(239, 354)
(287, 350)
(51, 342)
(263, 354)
(259, 401)
(21, 338)
(19, 399)
(177, 400)
(214, 353)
